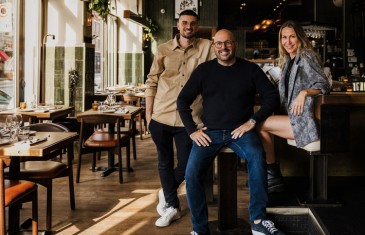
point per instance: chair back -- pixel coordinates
(16, 192)
(99, 121)
(3, 164)
(131, 99)
(48, 127)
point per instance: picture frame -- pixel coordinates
(181, 5)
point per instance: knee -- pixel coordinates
(192, 174)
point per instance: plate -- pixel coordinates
(41, 110)
(109, 111)
(32, 132)
(27, 110)
(4, 141)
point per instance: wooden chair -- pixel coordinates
(111, 140)
(15, 192)
(44, 171)
(136, 101)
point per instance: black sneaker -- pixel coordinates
(275, 181)
(265, 227)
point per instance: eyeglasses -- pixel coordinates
(227, 43)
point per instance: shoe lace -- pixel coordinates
(269, 225)
(169, 213)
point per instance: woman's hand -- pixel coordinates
(200, 138)
(297, 106)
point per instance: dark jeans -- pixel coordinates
(249, 148)
(163, 136)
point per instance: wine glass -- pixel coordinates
(2, 130)
(18, 119)
(13, 124)
(9, 122)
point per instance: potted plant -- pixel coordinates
(102, 7)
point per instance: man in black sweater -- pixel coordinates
(228, 86)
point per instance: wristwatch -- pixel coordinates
(252, 121)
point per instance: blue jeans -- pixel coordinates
(249, 148)
(164, 137)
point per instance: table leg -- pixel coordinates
(14, 170)
(111, 163)
(134, 131)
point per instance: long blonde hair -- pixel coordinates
(303, 41)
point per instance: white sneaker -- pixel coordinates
(162, 205)
(171, 214)
(194, 233)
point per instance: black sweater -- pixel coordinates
(228, 94)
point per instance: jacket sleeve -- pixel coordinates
(315, 73)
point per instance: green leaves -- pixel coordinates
(101, 7)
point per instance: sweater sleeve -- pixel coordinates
(186, 97)
(269, 96)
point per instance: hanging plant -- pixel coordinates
(102, 7)
(148, 31)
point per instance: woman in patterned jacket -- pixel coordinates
(302, 79)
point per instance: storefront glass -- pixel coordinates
(7, 54)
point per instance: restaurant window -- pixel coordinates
(112, 35)
(8, 36)
(19, 40)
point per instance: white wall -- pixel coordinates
(65, 21)
(130, 33)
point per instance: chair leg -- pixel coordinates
(140, 126)
(93, 164)
(35, 215)
(70, 157)
(120, 165)
(49, 205)
(78, 168)
(128, 156)
(99, 155)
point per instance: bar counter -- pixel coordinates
(346, 108)
(348, 98)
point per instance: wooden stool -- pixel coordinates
(227, 189)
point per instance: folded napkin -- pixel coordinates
(27, 143)
(122, 111)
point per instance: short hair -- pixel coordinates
(188, 12)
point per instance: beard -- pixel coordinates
(188, 35)
(227, 57)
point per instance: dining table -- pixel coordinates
(42, 113)
(39, 145)
(128, 112)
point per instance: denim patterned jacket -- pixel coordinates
(306, 73)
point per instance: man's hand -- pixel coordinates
(200, 138)
(238, 132)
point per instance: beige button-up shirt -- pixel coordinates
(170, 70)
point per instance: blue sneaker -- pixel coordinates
(265, 227)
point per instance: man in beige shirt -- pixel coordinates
(172, 66)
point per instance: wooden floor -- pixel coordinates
(103, 206)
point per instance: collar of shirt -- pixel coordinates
(176, 44)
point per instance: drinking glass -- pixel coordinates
(18, 119)
(23, 133)
(3, 130)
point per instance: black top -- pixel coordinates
(228, 94)
(287, 76)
